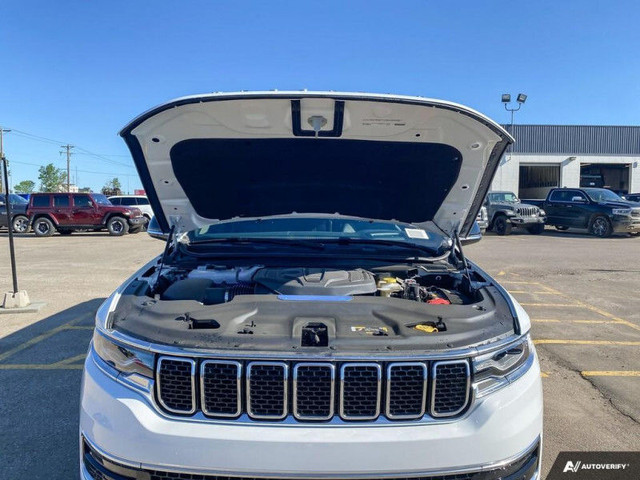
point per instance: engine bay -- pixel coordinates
(213, 285)
(384, 308)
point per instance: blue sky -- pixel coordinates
(75, 72)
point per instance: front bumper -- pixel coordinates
(527, 221)
(141, 220)
(625, 224)
(122, 425)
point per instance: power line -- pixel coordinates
(80, 170)
(83, 150)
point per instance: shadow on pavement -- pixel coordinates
(39, 403)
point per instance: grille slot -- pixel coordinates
(360, 391)
(267, 390)
(450, 388)
(176, 384)
(406, 390)
(220, 388)
(313, 391)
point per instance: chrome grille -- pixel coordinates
(406, 390)
(310, 392)
(360, 391)
(267, 390)
(220, 388)
(176, 384)
(635, 212)
(313, 391)
(450, 385)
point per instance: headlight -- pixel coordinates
(495, 370)
(622, 211)
(126, 360)
(126, 212)
(509, 213)
(542, 213)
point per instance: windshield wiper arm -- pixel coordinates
(248, 241)
(374, 242)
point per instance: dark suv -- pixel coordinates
(67, 212)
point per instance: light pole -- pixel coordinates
(506, 100)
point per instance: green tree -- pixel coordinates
(51, 178)
(25, 186)
(112, 187)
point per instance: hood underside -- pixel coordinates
(212, 158)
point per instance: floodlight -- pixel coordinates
(522, 98)
(506, 98)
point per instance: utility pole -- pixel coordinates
(2, 132)
(68, 149)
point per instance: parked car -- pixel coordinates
(505, 211)
(139, 201)
(599, 210)
(482, 219)
(68, 212)
(19, 219)
(270, 344)
(631, 197)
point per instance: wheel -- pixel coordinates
(562, 228)
(601, 227)
(43, 227)
(536, 229)
(65, 232)
(20, 224)
(501, 226)
(117, 226)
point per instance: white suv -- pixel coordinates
(139, 201)
(313, 314)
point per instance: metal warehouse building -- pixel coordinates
(547, 156)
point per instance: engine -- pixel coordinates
(212, 285)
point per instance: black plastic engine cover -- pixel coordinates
(316, 281)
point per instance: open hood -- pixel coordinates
(210, 158)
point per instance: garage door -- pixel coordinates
(605, 175)
(536, 180)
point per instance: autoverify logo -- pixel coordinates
(574, 467)
(596, 466)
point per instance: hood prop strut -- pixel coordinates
(465, 264)
(165, 254)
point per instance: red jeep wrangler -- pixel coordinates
(67, 212)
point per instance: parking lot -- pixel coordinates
(581, 293)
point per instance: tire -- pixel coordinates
(65, 232)
(536, 229)
(562, 228)
(43, 227)
(117, 226)
(501, 226)
(601, 227)
(20, 224)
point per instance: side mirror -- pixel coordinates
(154, 231)
(471, 239)
(474, 236)
(578, 199)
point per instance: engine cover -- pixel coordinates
(316, 281)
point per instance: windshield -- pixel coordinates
(101, 199)
(316, 228)
(503, 197)
(17, 199)
(602, 195)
